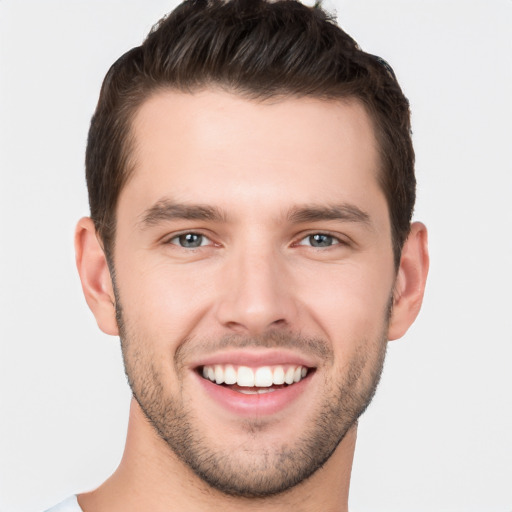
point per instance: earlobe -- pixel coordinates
(410, 281)
(95, 276)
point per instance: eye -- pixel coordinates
(190, 240)
(320, 240)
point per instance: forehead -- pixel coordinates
(217, 146)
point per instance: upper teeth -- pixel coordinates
(262, 377)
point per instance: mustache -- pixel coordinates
(314, 346)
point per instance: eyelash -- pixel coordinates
(336, 241)
(185, 234)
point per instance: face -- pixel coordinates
(254, 273)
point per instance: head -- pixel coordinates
(251, 183)
(258, 50)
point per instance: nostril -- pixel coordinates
(255, 328)
(236, 327)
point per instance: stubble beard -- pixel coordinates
(267, 471)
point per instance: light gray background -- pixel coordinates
(438, 436)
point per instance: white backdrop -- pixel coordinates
(438, 436)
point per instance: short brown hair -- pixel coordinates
(259, 49)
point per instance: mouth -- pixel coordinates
(254, 381)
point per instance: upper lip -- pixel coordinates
(255, 358)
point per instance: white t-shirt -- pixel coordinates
(69, 505)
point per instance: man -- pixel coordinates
(251, 183)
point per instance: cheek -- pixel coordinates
(351, 305)
(162, 301)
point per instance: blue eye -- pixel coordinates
(189, 240)
(320, 240)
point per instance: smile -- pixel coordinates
(256, 382)
(245, 379)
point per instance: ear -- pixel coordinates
(410, 282)
(95, 276)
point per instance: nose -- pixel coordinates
(258, 293)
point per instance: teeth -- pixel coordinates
(219, 374)
(248, 391)
(229, 374)
(256, 391)
(265, 390)
(288, 378)
(279, 375)
(262, 377)
(245, 377)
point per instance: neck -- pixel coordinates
(151, 477)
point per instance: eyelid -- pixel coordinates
(339, 239)
(168, 239)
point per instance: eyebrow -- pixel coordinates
(166, 210)
(314, 213)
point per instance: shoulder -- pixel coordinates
(68, 505)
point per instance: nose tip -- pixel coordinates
(257, 297)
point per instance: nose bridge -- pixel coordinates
(256, 294)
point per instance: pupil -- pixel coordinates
(320, 240)
(191, 240)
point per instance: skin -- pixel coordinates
(257, 164)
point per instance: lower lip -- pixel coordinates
(255, 404)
